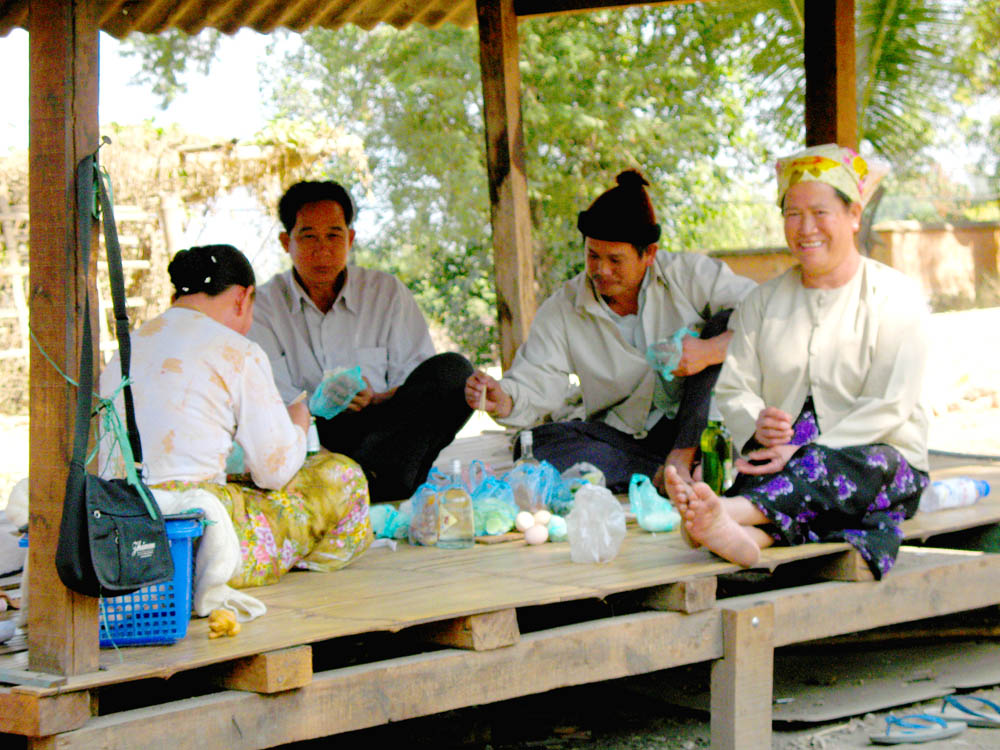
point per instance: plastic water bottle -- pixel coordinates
(456, 526)
(312, 438)
(953, 493)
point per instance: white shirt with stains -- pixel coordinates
(198, 386)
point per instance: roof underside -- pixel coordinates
(119, 18)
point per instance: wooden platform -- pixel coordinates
(418, 631)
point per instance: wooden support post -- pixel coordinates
(273, 672)
(36, 716)
(62, 632)
(743, 680)
(513, 251)
(694, 595)
(483, 632)
(831, 87)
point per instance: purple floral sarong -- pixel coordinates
(859, 495)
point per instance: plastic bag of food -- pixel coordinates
(595, 526)
(493, 507)
(335, 391)
(653, 512)
(389, 522)
(424, 519)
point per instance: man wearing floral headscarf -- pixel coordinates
(599, 326)
(822, 388)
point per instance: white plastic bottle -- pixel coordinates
(953, 493)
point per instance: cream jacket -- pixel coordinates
(573, 333)
(860, 349)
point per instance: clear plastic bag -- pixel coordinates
(596, 525)
(653, 512)
(335, 391)
(493, 507)
(423, 528)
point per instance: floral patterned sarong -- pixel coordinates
(859, 495)
(318, 521)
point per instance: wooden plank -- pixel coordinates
(693, 595)
(567, 7)
(397, 689)
(831, 98)
(63, 52)
(924, 583)
(37, 717)
(742, 680)
(272, 672)
(27, 677)
(483, 632)
(513, 250)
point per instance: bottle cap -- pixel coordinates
(982, 486)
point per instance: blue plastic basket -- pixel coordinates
(156, 614)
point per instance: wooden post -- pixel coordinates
(62, 632)
(831, 88)
(743, 680)
(513, 256)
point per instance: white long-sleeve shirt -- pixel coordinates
(197, 386)
(860, 350)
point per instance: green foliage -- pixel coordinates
(166, 57)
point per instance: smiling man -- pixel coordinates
(325, 314)
(598, 326)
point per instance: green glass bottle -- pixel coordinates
(716, 456)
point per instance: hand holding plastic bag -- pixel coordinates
(336, 391)
(654, 513)
(595, 526)
(665, 355)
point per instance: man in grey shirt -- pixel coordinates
(325, 314)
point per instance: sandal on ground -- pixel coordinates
(973, 710)
(916, 728)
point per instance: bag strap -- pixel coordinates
(87, 173)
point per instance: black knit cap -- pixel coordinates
(622, 214)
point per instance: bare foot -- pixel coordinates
(708, 522)
(679, 493)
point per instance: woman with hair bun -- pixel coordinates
(199, 385)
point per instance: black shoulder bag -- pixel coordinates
(112, 539)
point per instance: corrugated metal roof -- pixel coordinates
(121, 17)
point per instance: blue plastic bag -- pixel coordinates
(664, 355)
(653, 512)
(493, 507)
(336, 391)
(388, 522)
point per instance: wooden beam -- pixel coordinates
(62, 632)
(565, 7)
(831, 88)
(513, 250)
(367, 695)
(483, 632)
(693, 595)
(273, 672)
(38, 717)
(743, 680)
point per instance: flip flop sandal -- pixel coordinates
(916, 728)
(981, 712)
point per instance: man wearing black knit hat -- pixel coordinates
(598, 326)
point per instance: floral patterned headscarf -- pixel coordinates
(841, 168)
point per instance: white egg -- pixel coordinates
(524, 521)
(542, 517)
(536, 534)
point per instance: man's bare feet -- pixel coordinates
(679, 491)
(708, 522)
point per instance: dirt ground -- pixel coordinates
(964, 385)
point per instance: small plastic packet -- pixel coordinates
(335, 391)
(653, 512)
(493, 507)
(235, 461)
(595, 526)
(664, 355)
(423, 528)
(388, 522)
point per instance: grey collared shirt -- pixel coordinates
(375, 323)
